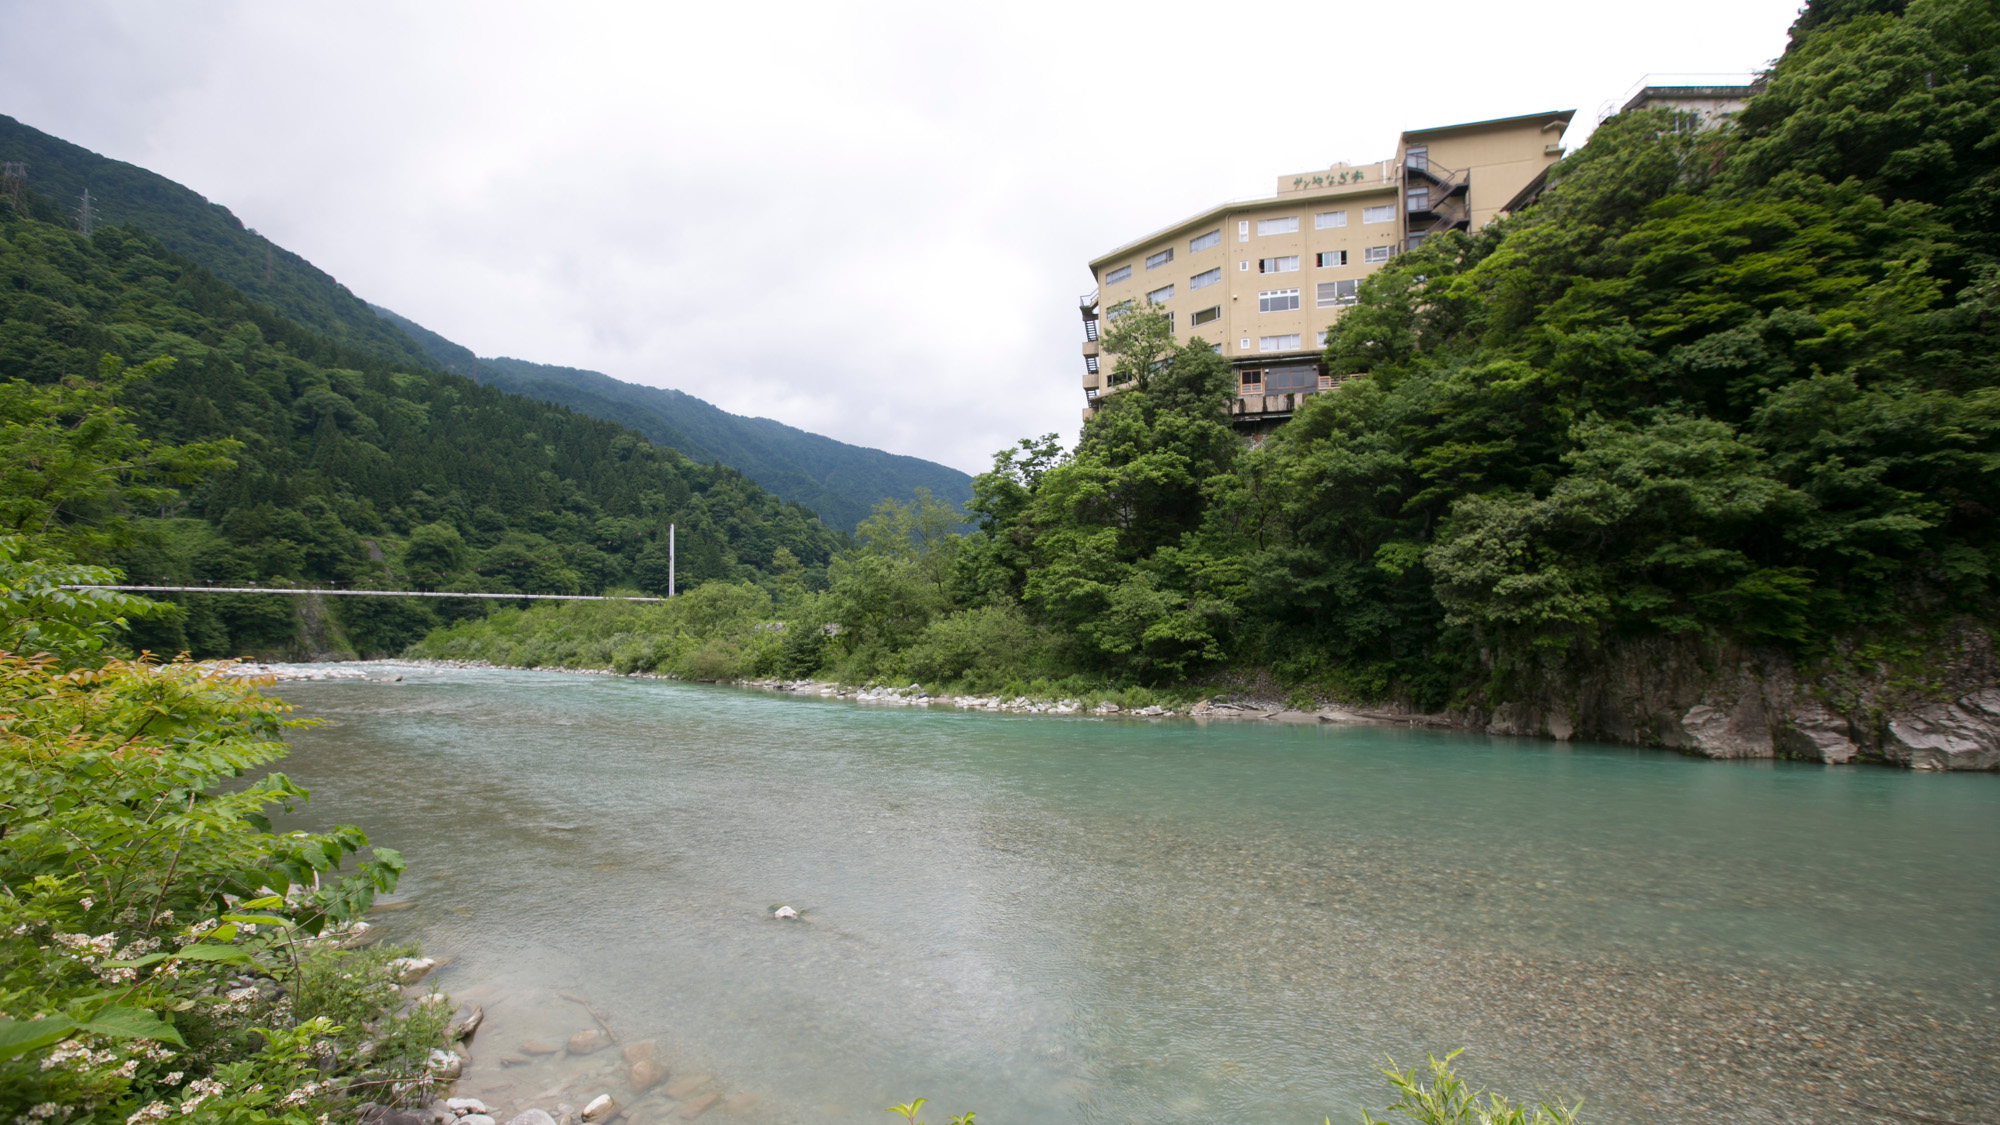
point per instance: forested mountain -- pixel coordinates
(841, 482)
(349, 468)
(202, 232)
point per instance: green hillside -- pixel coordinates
(204, 233)
(841, 482)
(352, 469)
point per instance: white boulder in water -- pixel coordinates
(785, 912)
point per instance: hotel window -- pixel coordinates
(1198, 244)
(1252, 382)
(1161, 295)
(1327, 259)
(1243, 230)
(1118, 310)
(1245, 343)
(1375, 254)
(1419, 199)
(1278, 300)
(1279, 380)
(1278, 343)
(1383, 214)
(1319, 341)
(1170, 324)
(1327, 220)
(1117, 275)
(1155, 261)
(1278, 265)
(1333, 293)
(1243, 266)
(1418, 158)
(1213, 312)
(1205, 278)
(1287, 225)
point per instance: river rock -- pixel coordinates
(601, 1108)
(785, 913)
(584, 1042)
(537, 1047)
(469, 1026)
(1962, 735)
(410, 970)
(467, 1105)
(686, 1084)
(644, 1075)
(1816, 734)
(737, 1103)
(477, 1119)
(1741, 731)
(695, 1107)
(532, 1117)
(446, 1065)
(645, 1050)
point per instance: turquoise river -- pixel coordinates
(1085, 920)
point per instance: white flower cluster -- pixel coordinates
(238, 1000)
(305, 1093)
(43, 1112)
(195, 931)
(152, 1052)
(84, 947)
(199, 1091)
(147, 1115)
(75, 1054)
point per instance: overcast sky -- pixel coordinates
(870, 221)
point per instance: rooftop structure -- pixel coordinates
(1716, 97)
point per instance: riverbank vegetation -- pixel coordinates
(1732, 384)
(166, 953)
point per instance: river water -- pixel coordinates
(1086, 920)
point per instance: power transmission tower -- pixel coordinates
(86, 215)
(14, 182)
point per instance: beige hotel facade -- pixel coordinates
(1262, 280)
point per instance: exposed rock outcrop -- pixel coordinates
(1722, 701)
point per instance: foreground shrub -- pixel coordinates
(163, 952)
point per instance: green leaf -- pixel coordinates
(258, 919)
(18, 1037)
(122, 1022)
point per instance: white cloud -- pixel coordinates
(868, 221)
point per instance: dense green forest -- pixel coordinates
(1730, 384)
(302, 460)
(841, 482)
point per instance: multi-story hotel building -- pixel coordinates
(1261, 280)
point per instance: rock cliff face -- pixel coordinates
(1722, 701)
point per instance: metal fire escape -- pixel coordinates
(1087, 304)
(1435, 200)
